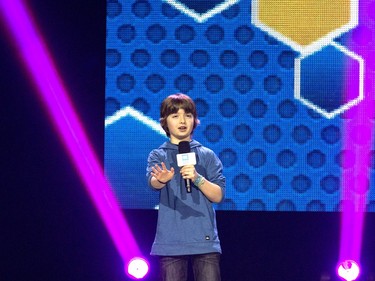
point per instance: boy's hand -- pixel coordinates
(188, 172)
(162, 174)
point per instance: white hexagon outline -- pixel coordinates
(342, 108)
(205, 16)
(314, 46)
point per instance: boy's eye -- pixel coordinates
(189, 115)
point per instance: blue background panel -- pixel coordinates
(278, 155)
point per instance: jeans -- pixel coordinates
(205, 267)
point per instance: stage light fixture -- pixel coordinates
(348, 270)
(137, 268)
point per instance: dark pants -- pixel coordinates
(206, 267)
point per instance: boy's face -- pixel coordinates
(180, 126)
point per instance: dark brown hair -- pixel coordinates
(172, 104)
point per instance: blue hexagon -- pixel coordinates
(330, 81)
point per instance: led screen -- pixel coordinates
(276, 84)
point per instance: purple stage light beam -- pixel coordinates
(40, 66)
(358, 138)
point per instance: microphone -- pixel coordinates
(185, 157)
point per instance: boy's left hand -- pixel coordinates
(188, 172)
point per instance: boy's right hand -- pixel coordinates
(162, 174)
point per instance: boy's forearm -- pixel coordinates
(212, 191)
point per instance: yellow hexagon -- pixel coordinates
(303, 21)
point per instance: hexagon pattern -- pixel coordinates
(308, 27)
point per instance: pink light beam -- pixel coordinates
(40, 66)
(358, 138)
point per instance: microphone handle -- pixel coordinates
(188, 187)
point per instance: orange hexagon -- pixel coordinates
(304, 22)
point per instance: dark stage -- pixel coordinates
(50, 230)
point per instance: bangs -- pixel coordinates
(180, 104)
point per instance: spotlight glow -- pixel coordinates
(348, 270)
(40, 66)
(137, 268)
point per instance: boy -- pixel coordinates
(186, 228)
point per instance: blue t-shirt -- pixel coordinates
(186, 221)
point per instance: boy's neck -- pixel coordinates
(177, 141)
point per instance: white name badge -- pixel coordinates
(186, 159)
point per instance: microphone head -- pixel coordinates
(184, 147)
